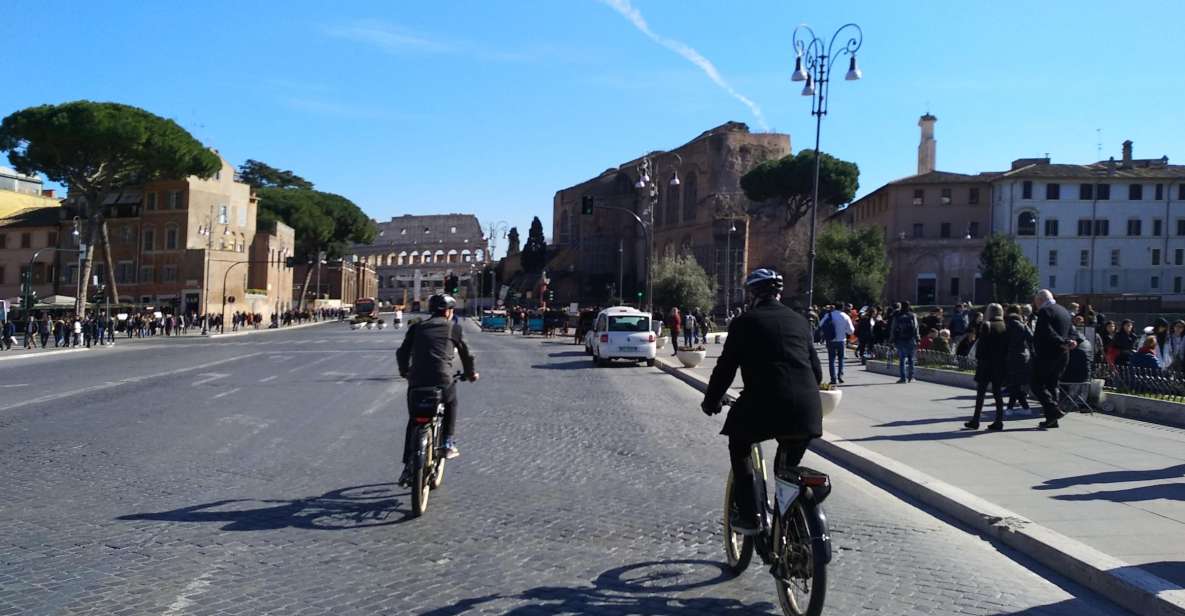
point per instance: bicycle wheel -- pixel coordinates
(800, 574)
(437, 477)
(738, 549)
(421, 482)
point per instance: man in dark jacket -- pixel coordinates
(426, 360)
(772, 346)
(1052, 343)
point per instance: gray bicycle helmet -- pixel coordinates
(439, 303)
(764, 282)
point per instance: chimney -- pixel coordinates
(1127, 153)
(927, 149)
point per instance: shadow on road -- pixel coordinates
(1172, 472)
(922, 422)
(567, 354)
(642, 589)
(345, 509)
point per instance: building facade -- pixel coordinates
(412, 255)
(1107, 228)
(269, 279)
(26, 233)
(20, 192)
(704, 214)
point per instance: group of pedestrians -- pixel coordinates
(692, 325)
(63, 331)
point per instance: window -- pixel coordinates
(223, 214)
(954, 287)
(1102, 227)
(1104, 192)
(171, 238)
(1157, 227)
(1155, 256)
(973, 229)
(150, 201)
(71, 275)
(1177, 284)
(1135, 192)
(1026, 224)
(1115, 257)
(51, 238)
(146, 273)
(242, 216)
(124, 271)
(973, 196)
(945, 199)
(1052, 281)
(1134, 227)
(918, 229)
(1026, 190)
(168, 273)
(1086, 192)
(1051, 227)
(1181, 192)
(1052, 258)
(1154, 282)
(26, 240)
(1084, 258)
(174, 199)
(944, 230)
(919, 196)
(1053, 191)
(452, 229)
(1180, 230)
(1160, 192)
(1, 274)
(149, 240)
(1113, 280)
(1179, 257)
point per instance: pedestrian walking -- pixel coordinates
(865, 333)
(44, 327)
(675, 325)
(7, 334)
(834, 328)
(1124, 342)
(30, 332)
(76, 331)
(688, 328)
(1019, 358)
(905, 337)
(1052, 344)
(990, 369)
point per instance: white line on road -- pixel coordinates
(16, 385)
(185, 598)
(328, 357)
(268, 378)
(225, 393)
(127, 381)
(209, 376)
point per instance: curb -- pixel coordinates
(1124, 584)
(264, 330)
(44, 354)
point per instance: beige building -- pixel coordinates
(269, 278)
(20, 192)
(25, 233)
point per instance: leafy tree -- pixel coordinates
(512, 247)
(1003, 264)
(788, 183)
(535, 251)
(850, 265)
(262, 175)
(680, 281)
(100, 148)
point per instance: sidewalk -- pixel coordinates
(1115, 485)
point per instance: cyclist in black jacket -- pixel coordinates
(425, 360)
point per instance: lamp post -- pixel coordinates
(207, 231)
(645, 167)
(495, 228)
(812, 64)
(732, 227)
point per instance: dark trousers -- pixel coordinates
(44, 339)
(447, 425)
(835, 353)
(740, 453)
(981, 393)
(1046, 372)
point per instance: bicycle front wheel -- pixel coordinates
(800, 573)
(738, 549)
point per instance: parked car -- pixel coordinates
(622, 332)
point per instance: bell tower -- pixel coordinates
(927, 149)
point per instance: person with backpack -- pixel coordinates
(905, 336)
(834, 329)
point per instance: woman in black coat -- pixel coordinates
(1124, 342)
(1020, 352)
(990, 370)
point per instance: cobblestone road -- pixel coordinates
(260, 483)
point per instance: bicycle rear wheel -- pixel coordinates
(800, 574)
(421, 485)
(738, 549)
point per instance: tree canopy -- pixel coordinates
(679, 281)
(1003, 264)
(788, 183)
(850, 265)
(535, 251)
(262, 175)
(320, 220)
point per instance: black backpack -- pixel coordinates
(907, 327)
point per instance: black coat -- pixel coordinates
(991, 350)
(1051, 333)
(1020, 345)
(772, 346)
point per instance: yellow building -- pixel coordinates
(18, 192)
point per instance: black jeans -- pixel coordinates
(447, 425)
(1046, 372)
(740, 452)
(981, 393)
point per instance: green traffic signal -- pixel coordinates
(586, 205)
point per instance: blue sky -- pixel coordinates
(490, 107)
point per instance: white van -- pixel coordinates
(622, 332)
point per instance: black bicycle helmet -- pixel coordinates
(763, 282)
(439, 303)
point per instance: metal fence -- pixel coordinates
(927, 358)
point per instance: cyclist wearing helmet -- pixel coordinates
(425, 360)
(773, 347)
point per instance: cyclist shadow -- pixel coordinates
(349, 508)
(642, 589)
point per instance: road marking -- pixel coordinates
(16, 385)
(185, 598)
(127, 381)
(328, 357)
(268, 378)
(210, 376)
(384, 400)
(225, 393)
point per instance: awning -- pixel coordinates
(56, 301)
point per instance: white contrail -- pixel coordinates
(628, 11)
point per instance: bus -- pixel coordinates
(366, 309)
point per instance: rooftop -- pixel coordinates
(32, 217)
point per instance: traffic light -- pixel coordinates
(586, 205)
(452, 284)
(290, 262)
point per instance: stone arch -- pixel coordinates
(479, 255)
(414, 258)
(401, 258)
(438, 257)
(466, 256)
(453, 255)
(690, 196)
